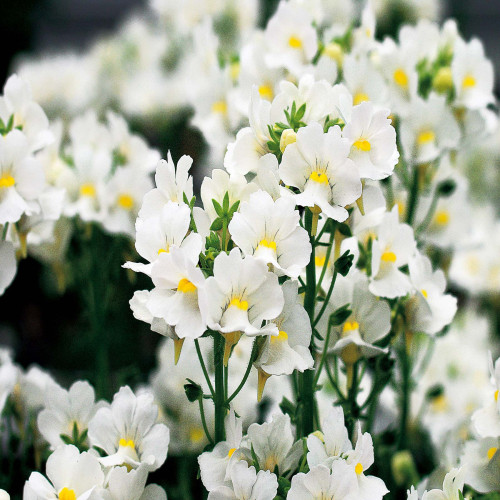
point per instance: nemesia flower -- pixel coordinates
(270, 231)
(480, 462)
(127, 431)
(318, 165)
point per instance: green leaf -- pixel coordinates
(218, 208)
(193, 391)
(344, 262)
(225, 203)
(66, 439)
(300, 112)
(217, 224)
(340, 315)
(255, 459)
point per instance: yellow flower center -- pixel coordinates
(268, 244)
(350, 326)
(360, 97)
(196, 435)
(468, 82)
(230, 452)
(164, 250)
(425, 137)
(442, 218)
(126, 443)
(491, 453)
(496, 395)
(126, 201)
(87, 190)
(295, 42)
(7, 181)
(401, 78)
(266, 92)
(219, 107)
(282, 336)
(319, 260)
(424, 293)
(358, 469)
(185, 286)
(240, 304)
(440, 403)
(362, 145)
(67, 494)
(388, 257)
(319, 177)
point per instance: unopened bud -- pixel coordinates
(288, 136)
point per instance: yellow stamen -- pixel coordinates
(87, 190)
(388, 257)
(230, 452)
(126, 201)
(468, 82)
(126, 443)
(219, 107)
(424, 293)
(350, 326)
(177, 349)
(266, 92)
(295, 42)
(362, 145)
(280, 337)
(268, 244)
(67, 494)
(185, 286)
(491, 453)
(164, 250)
(319, 177)
(319, 260)
(240, 304)
(360, 97)
(401, 78)
(440, 403)
(442, 218)
(425, 137)
(262, 379)
(196, 435)
(7, 181)
(358, 469)
(496, 395)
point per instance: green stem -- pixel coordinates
(327, 299)
(204, 368)
(430, 214)
(323, 356)
(204, 422)
(4, 232)
(333, 381)
(405, 393)
(352, 394)
(219, 402)
(325, 265)
(413, 197)
(247, 372)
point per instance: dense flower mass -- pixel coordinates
(313, 290)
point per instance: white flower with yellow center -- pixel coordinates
(361, 459)
(73, 476)
(453, 485)
(22, 178)
(177, 281)
(215, 467)
(270, 231)
(318, 165)
(127, 431)
(430, 309)
(473, 76)
(171, 183)
(124, 194)
(17, 104)
(240, 295)
(428, 129)
(331, 444)
(373, 141)
(391, 250)
(291, 38)
(320, 483)
(168, 230)
(8, 264)
(247, 484)
(481, 462)
(66, 409)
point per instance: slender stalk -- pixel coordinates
(405, 393)
(219, 400)
(204, 368)
(325, 265)
(430, 213)
(4, 232)
(327, 299)
(333, 381)
(204, 422)
(323, 356)
(413, 197)
(247, 372)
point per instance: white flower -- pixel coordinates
(177, 281)
(291, 38)
(430, 310)
(127, 431)
(240, 295)
(72, 475)
(289, 351)
(318, 165)
(66, 409)
(247, 484)
(9, 376)
(391, 250)
(321, 482)
(453, 484)
(171, 183)
(8, 264)
(481, 461)
(373, 141)
(22, 178)
(472, 75)
(270, 231)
